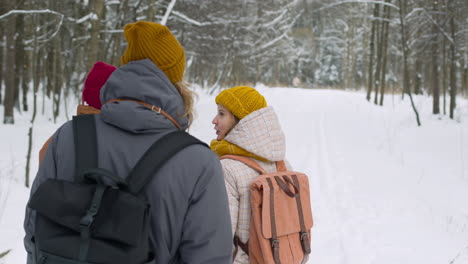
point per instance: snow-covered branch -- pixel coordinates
(438, 27)
(359, 2)
(41, 11)
(168, 12)
(273, 41)
(190, 20)
(90, 16)
(112, 31)
(276, 20)
(414, 11)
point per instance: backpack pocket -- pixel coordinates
(121, 216)
(72, 224)
(46, 258)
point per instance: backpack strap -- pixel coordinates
(274, 239)
(156, 156)
(280, 166)
(247, 161)
(85, 139)
(304, 236)
(84, 135)
(239, 244)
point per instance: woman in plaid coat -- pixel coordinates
(245, 126)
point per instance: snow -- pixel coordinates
(383, 190)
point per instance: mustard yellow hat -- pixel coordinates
(241, 100)
(149, 40)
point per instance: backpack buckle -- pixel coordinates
(86, 221)
(92, 211)
(275, 243)
(304, 235)
(156, 109)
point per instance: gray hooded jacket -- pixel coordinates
(190, 216)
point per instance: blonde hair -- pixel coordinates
(188, 97)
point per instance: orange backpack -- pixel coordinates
(281, 216)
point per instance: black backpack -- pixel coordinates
(99, 218)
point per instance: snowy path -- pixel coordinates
(383, 190)
(377, 193)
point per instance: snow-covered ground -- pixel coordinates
(383, 190)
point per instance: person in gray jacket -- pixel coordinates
(189, 210)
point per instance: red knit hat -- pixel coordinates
(97, 77)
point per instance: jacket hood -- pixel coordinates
(142, 81)
(260, 133)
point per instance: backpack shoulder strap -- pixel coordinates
(281, 166)
(84, 136)
(155, 157)
(247, 161)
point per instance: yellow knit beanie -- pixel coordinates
(241, 100)
(149, 40)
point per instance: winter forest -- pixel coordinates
(392, 46)
(372, 96)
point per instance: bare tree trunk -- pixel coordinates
(465, 79)
(453, 69)
(435, 66)
(464, 72)
(1, 67)
(371, 53)
(49, 63)
(51, 75)
(404, 39)
(405, 57)
(354, 60)
(44, 77)
(36, 80)
(418, 75)
(57, 92)
(444, 74)
(380, 48)
(115, 59)
(94, 52)
(18, 65)
(348, 64)
(117, 40)
(152, 10)
(380, 36)
(363, 80)
(20, 59)
(77, 68)
(404, 44)
(8, 117)
(26, 79)
(2, 39)
(384, 53)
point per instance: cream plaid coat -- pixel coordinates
(259, 133)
